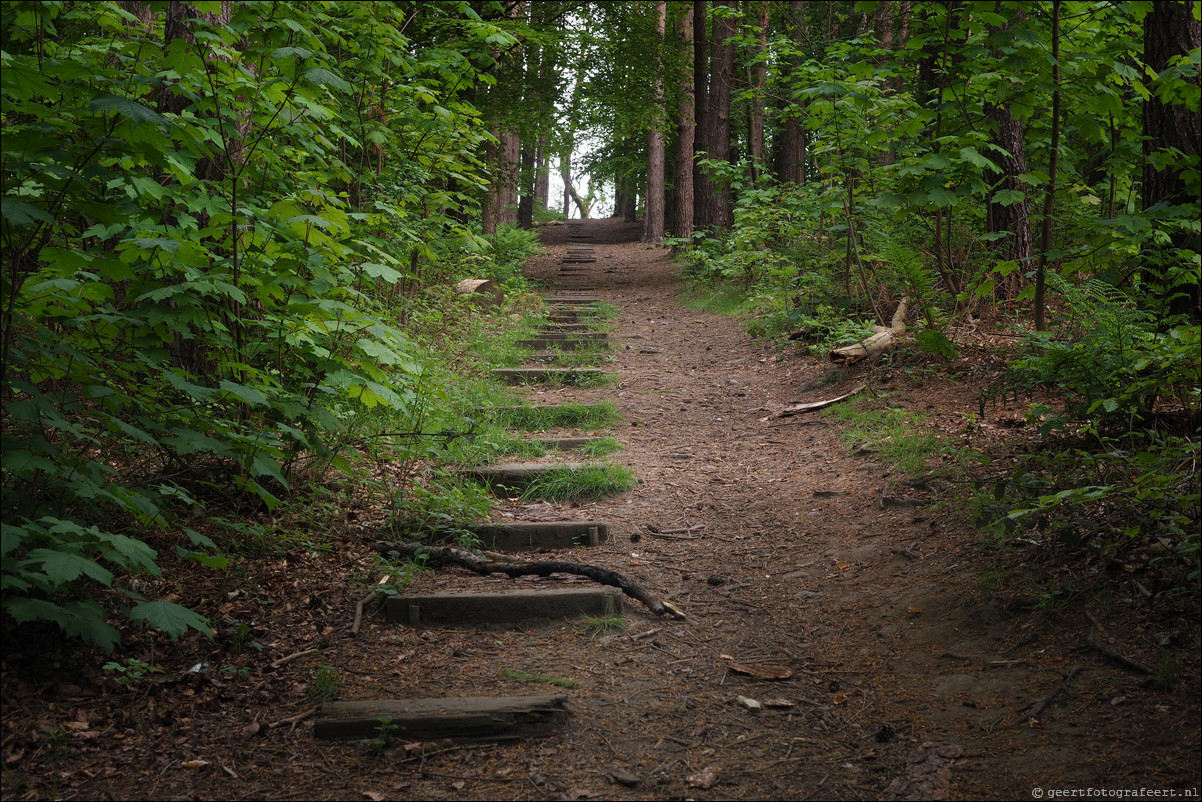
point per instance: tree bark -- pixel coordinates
(1170, 30)
(714, 197)
(653, 213)
(682, 177)
(1049, 200)
(758, 82)
(791, 151)
(1014, 218)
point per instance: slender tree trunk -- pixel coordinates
(507, 198)
(702, 189)
(759, 80)
(716, 206)
(526, 199)
(791, 150)
(682, 179)
(1014, 218)
(1049, 201)
(542, 183)
(1170, 30)
(653, 214)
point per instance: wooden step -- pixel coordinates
(528, 535)
(541, 375)
(464, 719)
(511, 607)
(544, 344)
(516, 475)
(573, 298)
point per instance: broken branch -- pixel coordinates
(445, 555)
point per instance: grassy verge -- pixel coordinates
(896, 435)
(585, 417)
(589, 482)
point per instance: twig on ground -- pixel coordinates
(359, 611)
(1042, 702)
(1121, 659)
(293, 720)
(283, 661)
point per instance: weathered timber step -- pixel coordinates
(527, 535)
(546, 375)
(469, 718)
(573, 298)
(513, 607)
(591, 336)
(567, 327)
(577, 260)
(545, 344)
(564, 443)
(572, 315)
(517, 475)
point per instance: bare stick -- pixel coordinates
(444, 555)
(359, 611)
(283, 661)
(1121, 659)
(1040, 704)
(293, 720)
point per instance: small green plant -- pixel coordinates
(572, 415)
(524, 676)
(385, 730)
(600, 447)
(233, 671)
(131, 672)
(589, 482)
(595, 625)
(323, 685)
(895, 433)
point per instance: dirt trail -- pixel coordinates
(906, 681)
(907, 677)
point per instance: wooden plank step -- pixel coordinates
(591, 336)
(543, 344)
(463, 719)
(511, 607)
(516, 475)
(567, 325)
(527, 535)
(564, 443)
(573, 298)
(545, 375)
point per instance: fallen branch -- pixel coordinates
(359, 612)
(445, 555)
(1040, 704)
(878, 343)
(797, 409)
(293, 720)
(286, 660)
(1121, 659)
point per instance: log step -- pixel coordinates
(546, 375)
(516, 475)
(546, 344)
(573, 298)
(568, 327)
(564, 443)
(470, 718)
(512, 607)
(590, 336)
(530, 535)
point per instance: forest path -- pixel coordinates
(904, 679)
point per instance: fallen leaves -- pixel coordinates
(705, 778)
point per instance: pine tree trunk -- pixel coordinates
(715, 203)
(759, 80)
(682, 178)
(653, 215)
(791, 147)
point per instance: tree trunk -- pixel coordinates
(653, 214)
(1049, 200)
(1014, 218)
(542, 183)
(791, 150)
(682, 178)
(714, 197)
(758, 82)
(1170, 30)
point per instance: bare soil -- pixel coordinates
(911, 650)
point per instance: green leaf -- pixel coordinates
(127, 108)
(84, 620)
(20, 213)
(171, 618)
(248, 394)
(63, 567)
(320, 76)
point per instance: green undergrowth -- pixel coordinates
(570, 415)
(587, 483)
(546, 679)
(895, 435)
